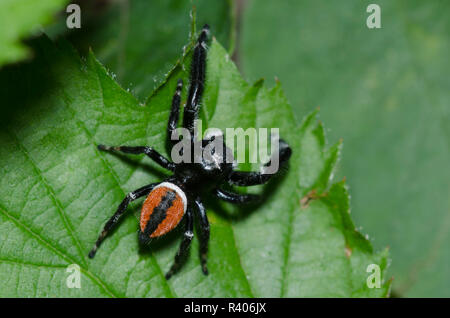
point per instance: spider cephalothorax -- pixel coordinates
(177, 197)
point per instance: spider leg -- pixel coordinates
(185, 243)
(120, 211)
(250, 178)
(235, 197)
(174, 115)
(150, 152)
(204, 227)
(197, 80)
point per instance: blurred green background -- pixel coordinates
(385, 91)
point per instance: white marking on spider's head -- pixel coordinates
(203, 44)
(217, 160)
(213, 132)
(177, 189)
(189, 234)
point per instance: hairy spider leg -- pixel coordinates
(145, 190)
(172, 136)
(197, 82)
(235, 197)
(150, 152)
(204, 227)
(250, 178)
(185, 243)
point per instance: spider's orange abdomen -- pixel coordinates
(162, 210)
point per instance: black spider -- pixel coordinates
(180, 194)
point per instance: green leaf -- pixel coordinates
(21, 18)
(57, 190)
(136, 42)
(386, 92)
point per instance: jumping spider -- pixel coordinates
(180, 194)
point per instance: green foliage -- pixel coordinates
(140, 40)
(57, 190)
(386, 92)
(20, 18)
